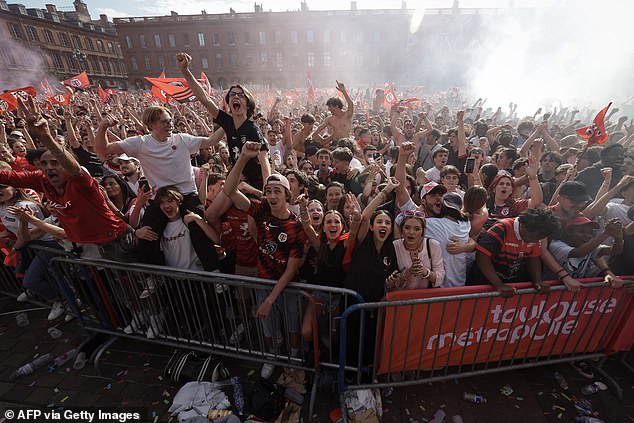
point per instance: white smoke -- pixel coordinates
(577, 53)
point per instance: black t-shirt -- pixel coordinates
(369, 270)
(330, 270)
(89, 160)
(248, 131)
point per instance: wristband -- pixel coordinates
(561, 270)
(561, 278)
(427, 275)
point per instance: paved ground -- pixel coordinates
(131, 377)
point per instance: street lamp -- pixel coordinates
(80, 57)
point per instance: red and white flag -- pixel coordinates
(63, 99)
(8, 102)
(104, 95)
(157, 93)
(78, 81)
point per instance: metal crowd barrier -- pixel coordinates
(210, 312)
(413, 340)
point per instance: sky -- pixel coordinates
(123, 8)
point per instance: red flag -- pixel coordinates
(103, 95)
(46, 87)
(63, 99)
(79, 81)
(409, 102)
(389, 98)
(595, 133)
(24, 92)
(205, 83)
(176, 88)
(69, 90)
(8, 102)
(157, 93)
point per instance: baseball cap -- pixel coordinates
(277, 179)
(575, 191)
(582, 220)
(124, 157)
(453, 201)
(430, 186)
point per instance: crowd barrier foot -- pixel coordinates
(617, 388)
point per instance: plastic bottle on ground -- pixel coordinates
(29, 368)
(474, 398)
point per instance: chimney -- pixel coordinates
(404, 5)
(51, 8)
(353, 5)
(103, 20)
(174, 13)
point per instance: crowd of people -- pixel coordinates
(342, 193)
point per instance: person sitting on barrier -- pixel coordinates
(330, 244)
(280, 251)
(508, 245)
(33, 264)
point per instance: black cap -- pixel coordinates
(575, 191)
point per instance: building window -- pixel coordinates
(326, 35)
(48, 36)
(7, 57)
(247, 38)
(57, 61)
(263, 58)
(135, 67)
(262, 37)
(110, 48)
(204, 62)
(157, 40)
(295, 58)
(142, 41)
(14, 30)
(161, 61)
(278, 37)
(219, 63)
(63, 39)
(171, 40)
(310, 36)
(360, 60)
(106, 66)
(76, 41)
(293, 37)
(97, 67)
(116, 67)
(216, 39)
(326, 58)
(377, 36)
(100, 46)
(186, 40)
(89, 44)
(128, 41)
(343, 36)
(32, 33)
(359, 36)
(201, 39)
(279, 59)
(148, 63)
(311, 59)
(231, 39)
(248, 60)
(234, 60)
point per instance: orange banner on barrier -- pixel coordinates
(449, 333)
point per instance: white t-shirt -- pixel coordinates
(177, 247)
(11, 222)
(433, 174)
(577, 267)
(445, 230)
(165, 163)
(616, 208)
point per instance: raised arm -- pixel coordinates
(598, 206)
(183, 60)
(462, 139)
(402, 195)
(311, 234)
(350, 110)
(537, 196)
(102, 147)
(38, 126)
(213, 139)
(374, 204)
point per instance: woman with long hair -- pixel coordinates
(501, 203)
(118, 191)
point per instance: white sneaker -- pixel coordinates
(23, 297)
(267, 370)
(137, 322)
(155, 326)
(236, 337)
(57, 310)
(68, 317)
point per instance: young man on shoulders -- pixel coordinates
(340, 121)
